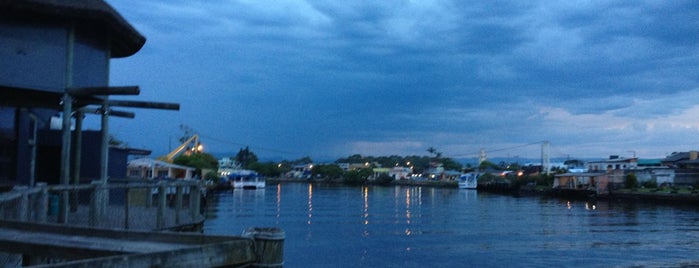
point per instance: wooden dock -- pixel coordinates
(67, 246)
(122, 225)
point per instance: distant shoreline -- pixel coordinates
(429, 183)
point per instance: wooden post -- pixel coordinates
(127, 203)
(77, 137)
(65, 152)
(95, 205)
(194, 202)
(42, 202)
(178, 203)
(63, 216)
(23, 207)
(269, 246)
(149, 197)
(160, 223)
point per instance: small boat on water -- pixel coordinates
(246, 180)
(468, 181)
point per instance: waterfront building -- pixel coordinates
(601, 176)
(685, 166)
(148, 168)
(54, 62)
(226, 166)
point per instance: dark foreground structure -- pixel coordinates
(58, 204)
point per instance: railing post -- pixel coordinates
(160, 221)
(95, 203)
(178, 203)
(63, 207)
(42, 202)
(127, 204)
(23, 209)
(194, 201)
(149, 197)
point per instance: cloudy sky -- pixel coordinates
(328, 79)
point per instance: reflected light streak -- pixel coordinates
(407, 206)
(279, 201)
(408, 214)
(310, 203)
(365, 193)
(590, 207)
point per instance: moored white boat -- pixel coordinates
(248, 182)
(246, 179)
(468, 181)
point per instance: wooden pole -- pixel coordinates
(78, 137)
(104, 158)
(23, 209)
(178, 204)
(65, 155)
(67, 110)
(127, 203)
(43, 202)
(160, 219)
(194, 202)
(95, 198)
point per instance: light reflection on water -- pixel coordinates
(369, 226)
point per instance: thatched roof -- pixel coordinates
(126, 41)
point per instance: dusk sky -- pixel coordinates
(329, 79)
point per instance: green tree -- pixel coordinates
(630, 181)
(245, 157)
(302, 161)
(198, 161)
(450, 164)
(354, 177)
(330, 172)
(267, 169)
(487, 164)
(212, 176)
(384, 179)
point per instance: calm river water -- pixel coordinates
(339, 226)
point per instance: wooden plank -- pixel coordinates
(90, 247)
(165, 237)
(232, 253)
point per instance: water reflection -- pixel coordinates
(416, 227)
(365, 195)
(310, 203)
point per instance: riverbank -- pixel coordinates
(676, 196)
(428, 183)
(684, 196)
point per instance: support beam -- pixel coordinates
(65, 154)
(90, 91)
(145, 104)
(77, 157)
(104, 158)
(112, 112)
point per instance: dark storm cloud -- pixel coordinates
(396, 77)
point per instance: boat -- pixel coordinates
(246, 180)
(468, 181)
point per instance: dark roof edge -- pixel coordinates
(125, 39)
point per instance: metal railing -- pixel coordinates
(104, 205)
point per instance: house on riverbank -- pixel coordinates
(600, 176)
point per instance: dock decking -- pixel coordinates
(94, 247)
(122, 225)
